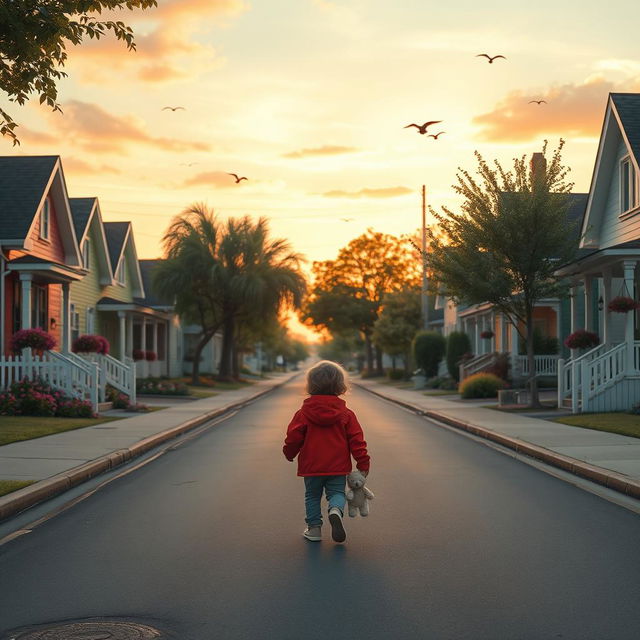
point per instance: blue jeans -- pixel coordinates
(333, 487)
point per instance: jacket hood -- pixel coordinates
(324, 410)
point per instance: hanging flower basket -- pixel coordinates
(138, 354)
(89, 343)
(622, 304)
(582, 339)
(487, 335)
(151, 356)
(36, 339)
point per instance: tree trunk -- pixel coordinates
(369, 352)
(379, 369)
(195, 370)
(235, 360)
(228, 338)
(534, 400)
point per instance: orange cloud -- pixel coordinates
(571, 110)
(36, 137)
(96, 130)
(218, 179)
(326, 150)
(80, 167)
(385, 192)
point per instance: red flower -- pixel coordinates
(622, 304)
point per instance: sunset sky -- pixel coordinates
(308, 99)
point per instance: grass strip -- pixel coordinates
(7, 486)
(624, 424)
(18, 428)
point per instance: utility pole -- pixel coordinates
(424, 299)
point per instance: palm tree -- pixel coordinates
(187, 274)
(256, 276)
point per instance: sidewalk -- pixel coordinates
(606, 458)
(64, 460)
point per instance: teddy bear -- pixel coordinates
(358, 495)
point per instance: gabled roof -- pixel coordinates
(119, 241)
(81, 210)
(151, 298)
(25, 182)
(621, 122)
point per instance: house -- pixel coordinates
(607, 378)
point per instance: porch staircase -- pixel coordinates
(120, 375)
(606, 378)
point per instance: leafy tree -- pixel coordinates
(397, 323)
(428, 349)
(507, 242)
(348, 291)
(34, 35)
(458, 345)
(345, 348)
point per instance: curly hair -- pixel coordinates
(326, 379)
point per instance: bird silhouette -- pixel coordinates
(435, 136)
(173, 108)
(347, 219)
(235, 175)
(422, 128)
(188, 164)
(537, 101)
(488, 57)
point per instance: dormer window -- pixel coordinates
(628, 185)
(45, 220)
(120, 272)
(86, 254)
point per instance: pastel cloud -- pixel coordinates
(96, 130)
(326, 150)
(218, 179)
(76, 166)
(384, 192)
(571, 110)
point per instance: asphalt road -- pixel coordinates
(463, 542)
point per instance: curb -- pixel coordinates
(610, 479)
(22, 499)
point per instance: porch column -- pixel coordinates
(66, 318)
(588, 303)
(606, 314)
(629, 282)
(129, 333)
(575, 321)
(492, 326)
(476, 336)
(155, 337)
(122, 334)
(25, 282)
(143, 334)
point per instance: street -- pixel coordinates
(462, 542)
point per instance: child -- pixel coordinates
(325, 434)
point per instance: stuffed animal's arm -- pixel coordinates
(368, 493)
(349, 494)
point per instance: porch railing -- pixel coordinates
(120, 375)
(476, 364)
(76, 379)
(545, 365)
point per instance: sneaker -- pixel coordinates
(337, 529)
(313, 533)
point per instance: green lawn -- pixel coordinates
(207, 388)
(16, 428)
(7, 486)
(440, 392)
(625, 424)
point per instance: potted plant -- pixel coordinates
(138, 354)
(582, 339)
(89, 343)
(36, 339)
(622, 304)
(151, 356)
(487, 334)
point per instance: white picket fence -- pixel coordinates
(545, 365)
(76, 379)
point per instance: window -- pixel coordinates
(45, 220)
(39, 307)
(17, 305)
(74, 317)
(91, 325)
(86, 254)
(120, 272)
(628, 185)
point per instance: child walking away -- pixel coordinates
(324, 434)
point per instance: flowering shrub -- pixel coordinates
(487, 335)
(481, 385)
(162, 387)
(582, 339)
(37, 398)
(32, 338)
(622, 304)
(89, 343)
(151, 356)
(138, 354)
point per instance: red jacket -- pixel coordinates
(325, 434)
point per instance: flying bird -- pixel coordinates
(188, 164)
(537, 101)
(488, 57)
(422, 128)
(173, 108)
(347, 219)
(435, 136)
(235, 175)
